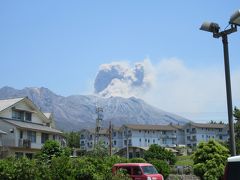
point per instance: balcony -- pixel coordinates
(25, 143)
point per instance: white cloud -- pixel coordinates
(197, 93)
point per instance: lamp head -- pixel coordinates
(235, 18)
(210, 27)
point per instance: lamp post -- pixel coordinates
(214, 29)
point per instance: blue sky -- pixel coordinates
(61, 45)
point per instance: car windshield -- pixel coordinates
(149, 170)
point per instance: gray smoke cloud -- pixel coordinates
(120, 79)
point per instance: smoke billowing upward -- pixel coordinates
(120, 79)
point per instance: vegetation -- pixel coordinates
(160, 158)
(209, 160)
(73, 139)
(236, 114)
(184, 161)
(52, 149)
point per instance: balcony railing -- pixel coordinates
(26, 143)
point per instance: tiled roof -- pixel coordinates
(208, 125)
(32, 126)
(150, 127)
(5, 103)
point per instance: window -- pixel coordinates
(19, 115)
(44, 138)
(115, 142)
(140, 140)
(31, 135)
(136, 170)
(18, 154)
(20, 134)
(28, 116)
(153, 140)
(29, 155)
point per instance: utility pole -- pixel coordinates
(110, 138)
(99, 111)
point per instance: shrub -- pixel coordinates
(161, 166)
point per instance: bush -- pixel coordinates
(137, 160)
(161, 166)
(209, 160)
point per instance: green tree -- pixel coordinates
(73, 139)
(157, 152)
(100, 150)
(52, 149)
(209, 160)
(161, 166)
(236, 115)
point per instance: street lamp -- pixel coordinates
(214, 29)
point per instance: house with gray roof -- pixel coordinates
(25, 127)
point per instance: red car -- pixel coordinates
(138, 171)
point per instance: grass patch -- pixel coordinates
(184, 161)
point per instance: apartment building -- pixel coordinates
(24, 128)
(137, 137)
(132, 135)
(197, 132)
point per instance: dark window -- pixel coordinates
(29, 155)
(28, 116)
(21, 134)
(232, 170)
(44, 138)
(19, 115)
(115, 142)
(18, 154)
(137, 170)
(31, 135)
(149, 170)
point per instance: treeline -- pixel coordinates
(54, 163)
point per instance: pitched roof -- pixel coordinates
(48, 115)
(150, 127)
(2, 132)
(32, 126)
(208, 125)
(5, 103)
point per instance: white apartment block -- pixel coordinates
(142, 136)
(130, 135)
(198, 132)
(24, 128)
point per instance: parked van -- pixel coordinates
(232, 169)
(138, 171)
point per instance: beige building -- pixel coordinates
(24, 128)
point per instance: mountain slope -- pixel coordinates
(75, 112)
